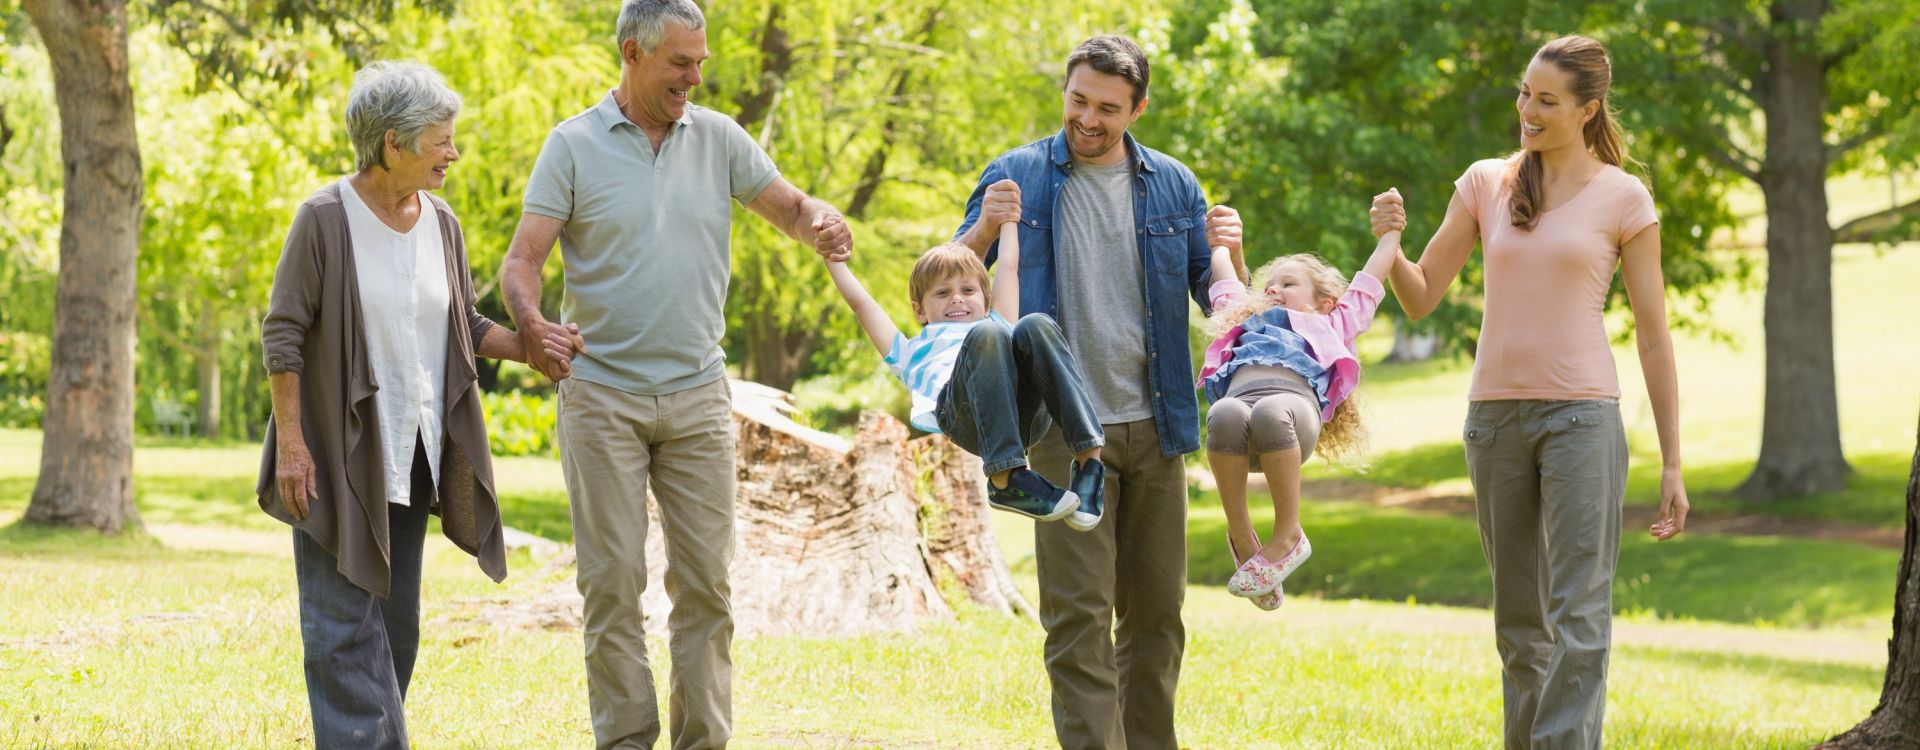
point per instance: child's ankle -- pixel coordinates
(1000, 480)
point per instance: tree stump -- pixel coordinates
(1895, 722)
(832, 537)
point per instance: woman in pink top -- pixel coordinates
(1544, 442)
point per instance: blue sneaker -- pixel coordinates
(1029, 495)
(1089, 483)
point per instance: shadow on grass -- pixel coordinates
(21, 539)
(1806, 674)
(1875, 494)
(1361, 552)
(543, 514)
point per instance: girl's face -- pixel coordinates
(1551, 116)
(1291, 287)
(959, 298)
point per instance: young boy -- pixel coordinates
(990, 386)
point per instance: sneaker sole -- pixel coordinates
(1068, 503)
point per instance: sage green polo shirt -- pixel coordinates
(646, 240)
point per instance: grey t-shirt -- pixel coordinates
(1102, 303)
(646, 240)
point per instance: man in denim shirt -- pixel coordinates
(1117, 237)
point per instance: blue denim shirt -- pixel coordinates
(1268, 339)
(1169, 218)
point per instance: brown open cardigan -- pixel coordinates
(313, 328)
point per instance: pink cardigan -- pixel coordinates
(1329, 337)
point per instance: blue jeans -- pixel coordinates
(360, 647)
(1006, 383)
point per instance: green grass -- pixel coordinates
(122, 643)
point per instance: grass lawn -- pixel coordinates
(188, 637)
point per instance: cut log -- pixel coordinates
(832, 537)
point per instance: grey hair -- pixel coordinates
(645, 21)
(403, 97)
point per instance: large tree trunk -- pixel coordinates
(833, 537)
(1800, 429)
(86, 463)
(1896, 721)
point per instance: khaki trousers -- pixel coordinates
(612, 445)
(1549, 478)
(1110, 598)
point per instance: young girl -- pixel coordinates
(1281, 367)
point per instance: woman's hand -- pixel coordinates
(1673, 505)
(294, 474)
(1388, 214)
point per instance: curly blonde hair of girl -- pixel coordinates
(1345, 436)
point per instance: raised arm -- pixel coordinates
(1006, 275)
(873, 319)
(1646, 293)
(1420, 285)
(809, 220)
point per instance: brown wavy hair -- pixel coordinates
(1344, 436)
(1592, 71)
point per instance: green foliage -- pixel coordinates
(520, 424)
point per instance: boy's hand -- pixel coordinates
(1389, 213)
(1000, 205)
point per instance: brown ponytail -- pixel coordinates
(1592, 72)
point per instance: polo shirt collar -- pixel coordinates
(610, 115)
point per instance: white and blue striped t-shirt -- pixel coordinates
(925, 363)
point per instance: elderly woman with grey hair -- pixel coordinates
(369, 339)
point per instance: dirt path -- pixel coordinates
(1456, 498)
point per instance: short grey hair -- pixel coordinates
(645, 21)
(404, 97)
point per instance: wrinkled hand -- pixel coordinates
(1389, 213)
(1224, 229)
(1000, 205)
(294, 475)
(550, 347)
(832, 238)
(1673, 506)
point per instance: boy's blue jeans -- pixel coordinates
(1008, 386)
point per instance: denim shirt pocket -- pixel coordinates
(1167, 238)
(1036, 236)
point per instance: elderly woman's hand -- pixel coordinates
(295, 477)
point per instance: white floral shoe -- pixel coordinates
(1268, 601)
(1258, 575)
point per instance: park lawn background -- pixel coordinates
(187, 636)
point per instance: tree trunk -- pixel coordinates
(1896, 721)
(207, 359)
(86, 462)
(1800, 430)
(1412, 347)
(832, 538)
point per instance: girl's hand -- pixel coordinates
(1388, 214)
(1673, 505)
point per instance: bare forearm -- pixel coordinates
(1386, 255)
(285, 390)
(501, 342)
(1223, 266)
(520, 287)
(873, 319)
(1410, 287)
(979, 239)
(1663, 391)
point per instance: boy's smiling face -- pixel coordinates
(959, 298)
